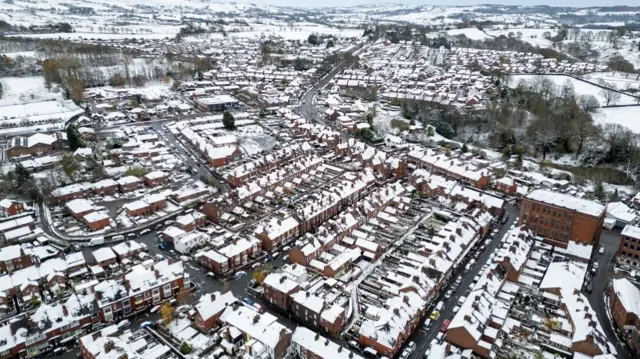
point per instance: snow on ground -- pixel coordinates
(96, 35)
(13, 55)
(581, 87)
(19, 90)
(619, 79)
(471, 33)
(625, 116)
(296, 32)
(532, 36)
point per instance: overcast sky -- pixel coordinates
(314, 3)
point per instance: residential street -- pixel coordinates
(610, 241)
(423, 338)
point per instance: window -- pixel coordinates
(156, 295)
(166, 290)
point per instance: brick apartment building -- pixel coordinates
(625, 308)
(629, 249)
(559, 218)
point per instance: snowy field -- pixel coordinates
(532, 36)
(619, 79)
(96, 35)
(471, 33)
(625, 116)
(19, 90)
(297, 32)
(580, 87)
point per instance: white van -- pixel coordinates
(96, 241)
(439, 306)
(461, 300)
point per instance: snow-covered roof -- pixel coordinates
(566, 201)
(628, 294)
(95, 217)
(567, 275)
(621, 212)
(280, 282)
(103, 254)
(580, 250)
(262, 327)
(214, 303)
(631, 231)
(320, 346)
(80, 205)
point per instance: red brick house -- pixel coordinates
(155, 178)
(10, 207)
(210, 307)
(79, 207)
(213, 260)
(138, 290)
(191, 221)
(129, 183)
(13, 258)
(278, 289)
(96, 220)
(105, 187)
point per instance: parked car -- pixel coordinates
(601, 250)
(211, 274)
(434, 315)
(124, 323)
(247, 300)
(505, 219)
(445, 325)
(240, 274)
(146, 324)
(448, 294)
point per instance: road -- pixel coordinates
(423, 338)
(610, 241)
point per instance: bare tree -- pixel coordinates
(609, 92)
(588, 103)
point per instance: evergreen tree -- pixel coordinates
(598, 191)
(228, 121)
(73, 138)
